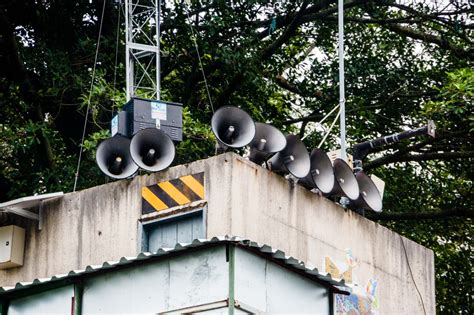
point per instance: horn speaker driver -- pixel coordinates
(321, 174)
(233, 127)
(293, 159)
(114, 159)
(152, 149)
(267, 141)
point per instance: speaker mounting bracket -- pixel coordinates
(20, 206)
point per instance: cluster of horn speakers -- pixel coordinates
(150, 149)
(153, 150)
(234, 128)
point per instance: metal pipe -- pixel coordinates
(360, 150)
(157, 56)
(127, 52)
(342, 97)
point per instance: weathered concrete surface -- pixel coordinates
(101, 223)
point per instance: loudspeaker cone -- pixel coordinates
(345, 183)
(233, 127)
(369, 197)
(152, 149)
(293, 159)
(267, 141)
(321, 174)
(114, 159)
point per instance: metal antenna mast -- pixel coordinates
(142, 27)
(342, 97)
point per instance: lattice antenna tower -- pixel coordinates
(142, 28)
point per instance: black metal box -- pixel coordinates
(144, 113)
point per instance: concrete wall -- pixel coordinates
(101, 223)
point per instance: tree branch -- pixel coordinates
(435, 215)
(266, 53)
(388, 159)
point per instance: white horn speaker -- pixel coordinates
(345, 183)
(293, 159)
(233, 127)
(114, 159)
(321, 174)
(267, 141)
(369, 197)
(152, 149)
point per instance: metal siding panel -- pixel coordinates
(142, 289)
(155, 239)
(250, 277)
(270, 288)
(185, 230)
(197, 226)
(179, 230)
(57, 301)
(169, 234)
(290, 292)
(199, 278)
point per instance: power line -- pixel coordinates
(89, 98)
(411, 273)
(193, 35)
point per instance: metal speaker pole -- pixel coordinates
(233, 127)
(152, 149)
(267, 141)
(321, 174)
(293, 159)
(114, 159)
(369, 197)
(345, 183)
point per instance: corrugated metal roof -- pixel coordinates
(264, 250)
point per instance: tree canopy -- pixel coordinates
(406, 62)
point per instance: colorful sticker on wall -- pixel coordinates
(172, 193)
(361, 301)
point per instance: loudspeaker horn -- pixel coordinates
(267, 140)
(293, 159)
(321, 174)
(152, 149)
(345, 183)
(114, 159)
(369, 197)
(233, 127)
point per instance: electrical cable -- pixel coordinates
(330, 128)
(89, 98)
(411, 273)
(324, 118)
(193, 35)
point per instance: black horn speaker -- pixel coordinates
(152, 149)
(114, 159)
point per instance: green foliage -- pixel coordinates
(396, 78)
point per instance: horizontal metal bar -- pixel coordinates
(142, 47)
(22, 212)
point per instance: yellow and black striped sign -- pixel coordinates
(176, 192)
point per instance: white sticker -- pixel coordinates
(114, 125)
(158, 110)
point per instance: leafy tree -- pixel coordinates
(406, 62)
